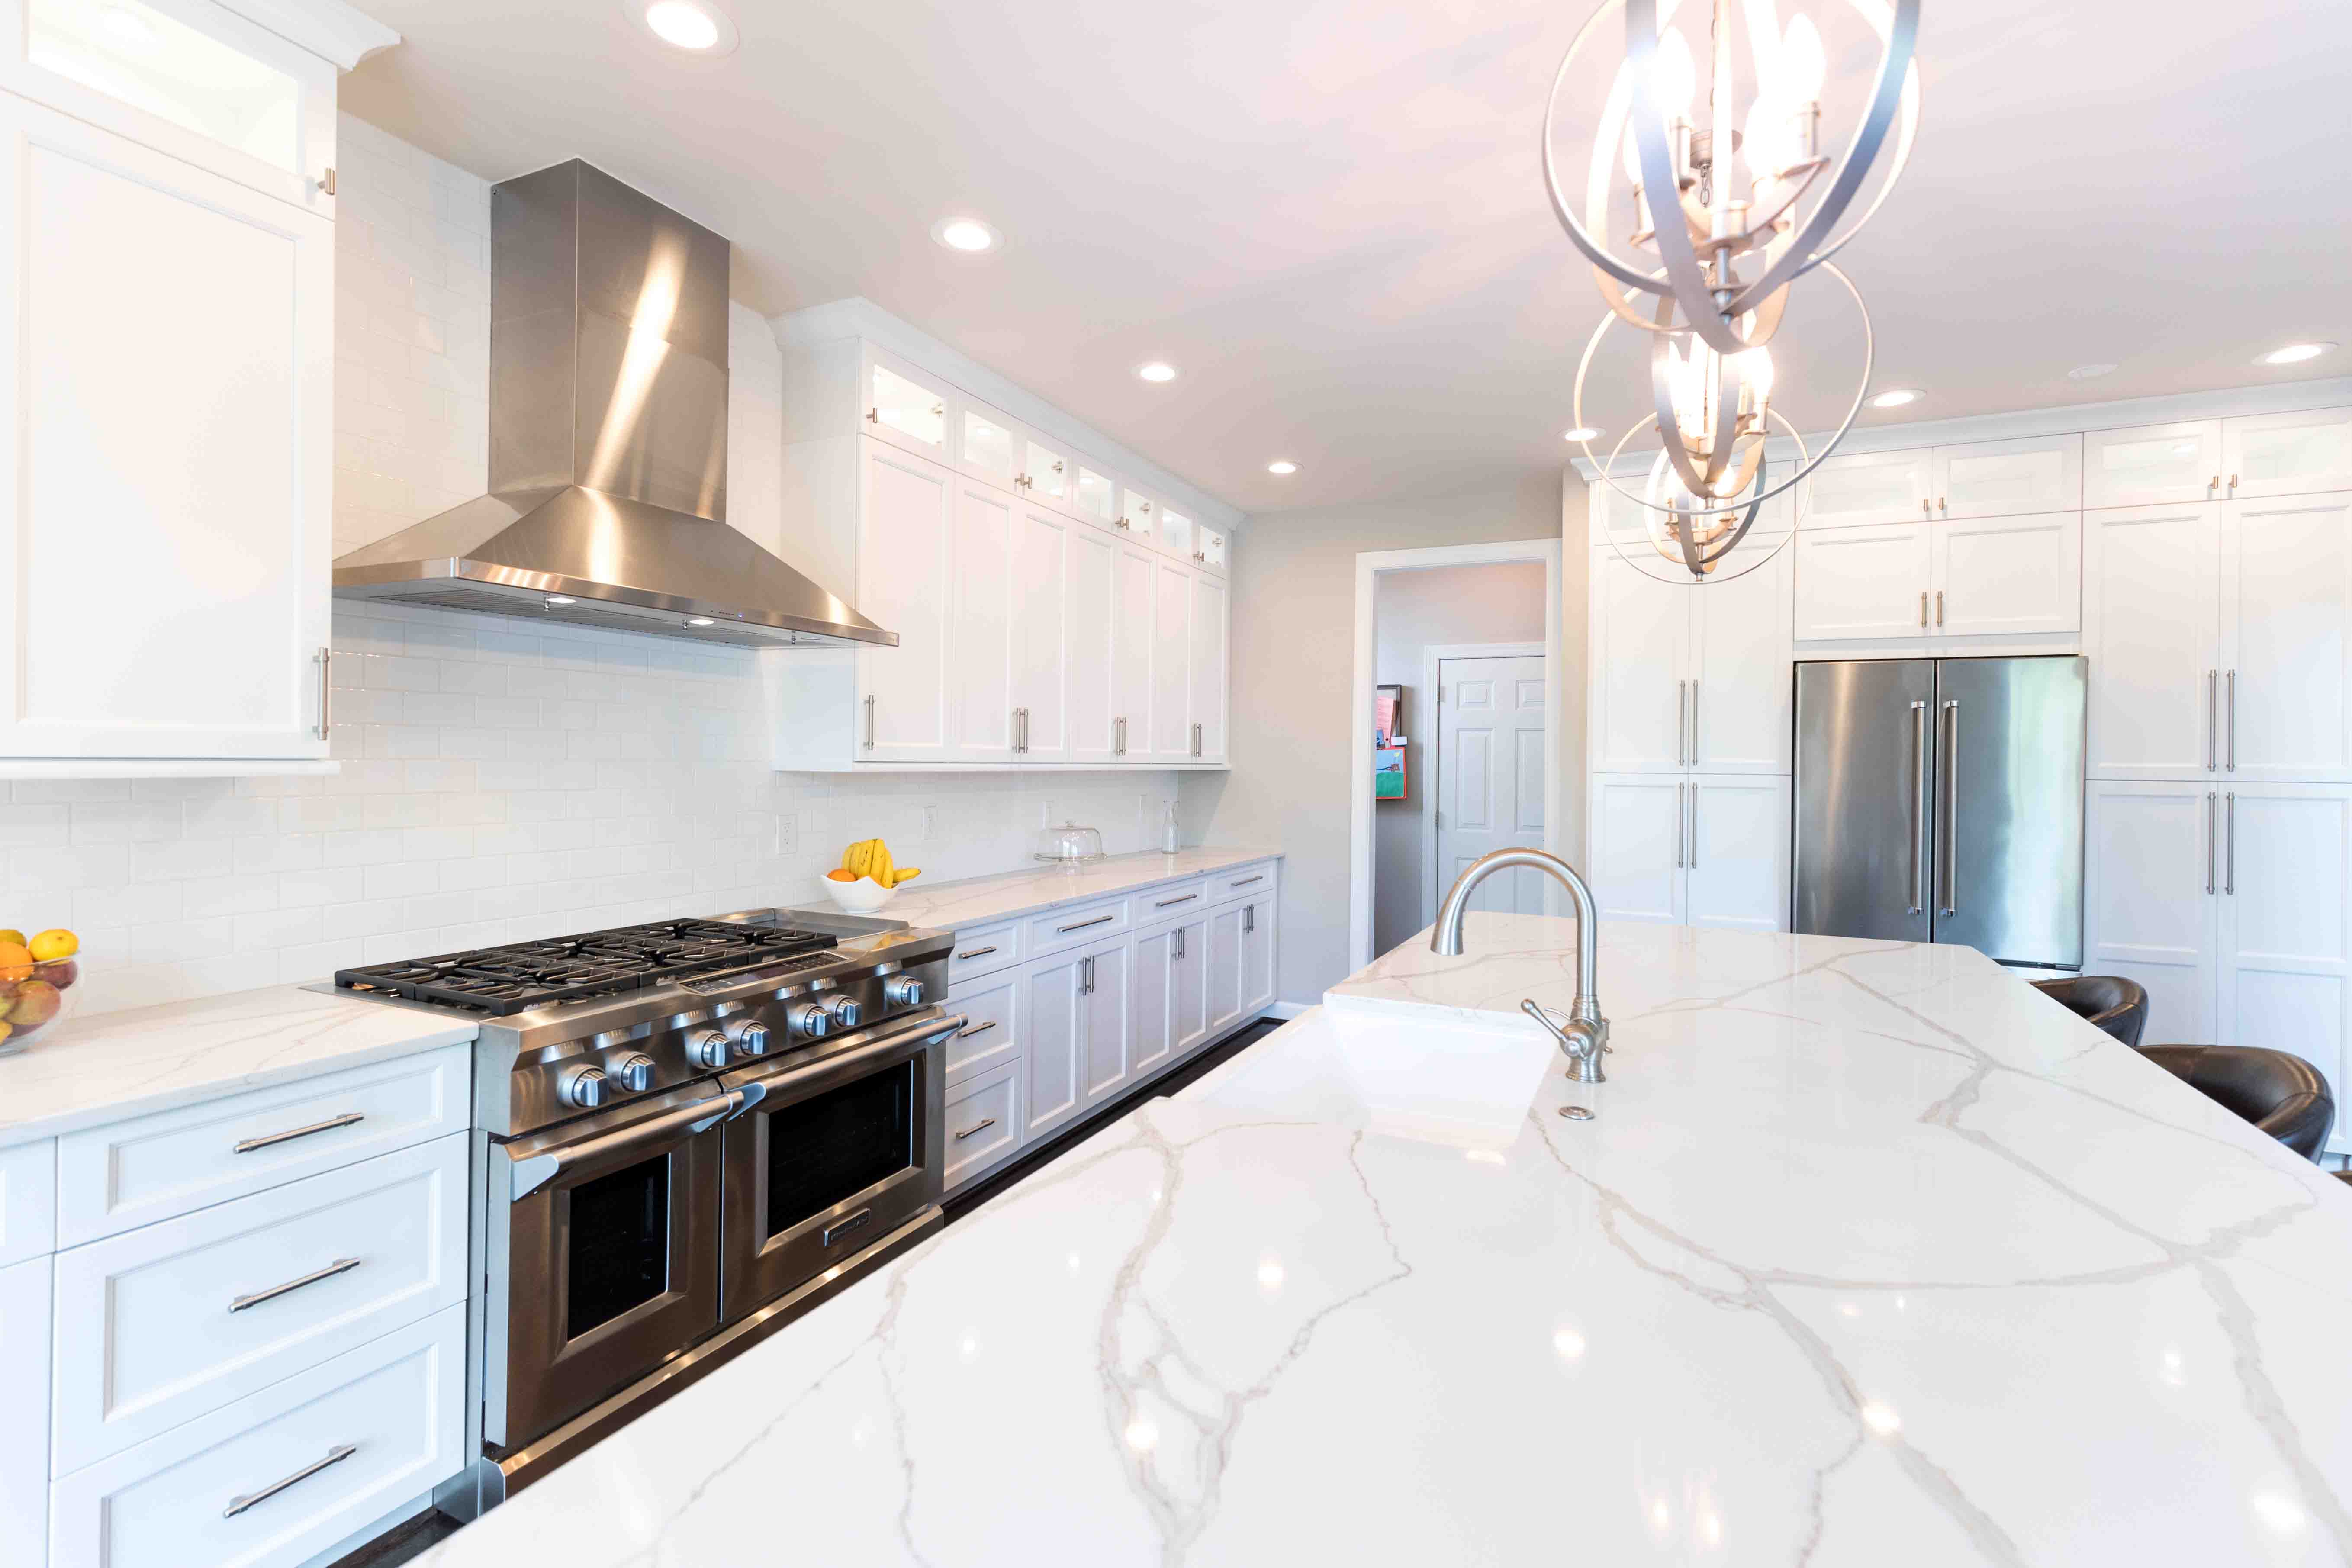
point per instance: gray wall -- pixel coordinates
(1413, 611)
(1292, 727)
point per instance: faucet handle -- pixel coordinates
(1581, 1042)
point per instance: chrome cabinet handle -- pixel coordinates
(1681, 720)
(340, 1266)
(1691, 858)
(1166, 903)
(1196, 740)
(326, 692)
(1178, 934)
(869, 724)
(1951, 868)
(1118, 736)
(873, 417)
(1065, 930)
(271, 1139)
(1249, 919)
(2229, 856)
(2213, 484)
(2233, 481)
(1944, 505)
(1694, 724)
(1245, 881)
(1923, 610)
(1940, 607)
(1085, 977)
(2231, 680)
(976, 953)
(1918, 808)
(335, 1456)
(2213, 722)
(975, 1030)
(975, 1129)
(2212, 831)
(1678, 827)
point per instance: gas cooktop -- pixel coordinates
(525, 974)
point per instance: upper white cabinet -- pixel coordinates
(2012, 575)
(2152, 465)
(2258, 455)
(2286, 454)
(990, 444)
(1205, 693)
(2007, 479)
(2150, 599)
(1865, 488)
(1869, 582)
(904, 406)
(1689, 678)
(905, 554)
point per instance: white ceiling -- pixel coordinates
(1327, 212)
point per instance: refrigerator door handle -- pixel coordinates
(1949, 766)
(1919, 904)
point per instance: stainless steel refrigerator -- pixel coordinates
(1941, 800)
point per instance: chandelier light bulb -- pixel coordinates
(1678, 75)
(1800, 65)
(1755, 373)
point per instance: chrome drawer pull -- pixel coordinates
(1245, 881)
(1166, 903)
(348, 1118)
(975, 952)
(1082, 925)
(976, 1030)
(335, 1456)
(977, 1128)
(340, 1266)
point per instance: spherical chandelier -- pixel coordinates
(1727, 211)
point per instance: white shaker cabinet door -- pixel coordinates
(1857, 582)
(2286, 654)
(1641, 668)
(2008, 479)
(1741, 686)
(906, 537)
(2287, 454)
(23, 1406)
(1172, 664)
(166, 431)
(1090, 645)
(2151, 630)
(1136, 640)
(1208, 679)
(1057, 1043)
(1257, 983)
(1226, 942)
(2285, 958)
(2151, 856)
(981, 647)
(1108, 1022)
(2009, 576)
(1735, 854)
(2152, 465)
(1638, 827)
(1039, 611)
(1865, 488)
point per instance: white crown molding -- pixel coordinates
(331, 30)
(857, 317)
(2237, 402)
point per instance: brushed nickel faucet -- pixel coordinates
(1584, 1037)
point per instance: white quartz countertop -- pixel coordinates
(1873, 1255)
(953, 906)
(114, 1066)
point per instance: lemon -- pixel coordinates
(53, 944)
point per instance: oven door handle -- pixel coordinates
(536, 1171)
(849, 1064)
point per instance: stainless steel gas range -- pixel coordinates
(687, 1132)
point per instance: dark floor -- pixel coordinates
(420, 1534)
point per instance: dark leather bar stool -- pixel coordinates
(2110, 1002)
(2282, 1094)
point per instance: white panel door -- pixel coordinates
(1054, 1055)
(2152, 465)
(1862, 582)
(1091, 647)
(2287, 454)
(2287, 654)
(906, 537)
(2008, 576)
(1736, 853)
(1207, 697)
(1172, 664)
(2285, 959)
(166, 444)
(1641, 665)
(1865, 488)
(2008, 479)
(1040, 612)
(2151, 630)
(2151, 856)
(1107, 1020)
(25, 1396)
(1492, 740)
(1741, 685)
(980, 645)
(1136, 636)
(1635, 857)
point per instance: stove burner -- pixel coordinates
(525, 974)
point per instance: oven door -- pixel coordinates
(611, 1253)
(833, 1154)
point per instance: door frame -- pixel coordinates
(1432, 658)
(1369, 565)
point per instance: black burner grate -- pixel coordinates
(502, 980)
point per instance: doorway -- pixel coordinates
(1493, 751)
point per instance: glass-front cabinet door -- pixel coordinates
(1209, 546)
(1048, 475)
(989, 444)
(185, 78)
(906, 407)
(1174, 532)
(1096, 493)
(1138, 514)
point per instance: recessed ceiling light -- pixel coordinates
(701, 621)
(2089, 371)
(965, 234)
(557, 601)
(2295, 353)
(1897, 398)
(694, 25)
(1156, 370)
(1282, 466)
(1581, 432)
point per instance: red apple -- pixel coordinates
(37, 1002)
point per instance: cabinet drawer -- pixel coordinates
(983, 1122)
(28, 1201)
(1240, 882)
(1075, 926)
(184, 1316)
(1173, 901)
(983, 950)
(992, 1030)
(174, 1162)
(281, 1475)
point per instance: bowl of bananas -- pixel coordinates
(866, 878)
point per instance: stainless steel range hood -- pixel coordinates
(608, 440)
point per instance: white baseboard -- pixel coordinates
(1285, 1011)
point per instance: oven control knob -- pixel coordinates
(751, 1039)
(634, 1073)
(846, 1012)
(902, 991)
(708, 1048)
(585, 1088)
(810, 1021)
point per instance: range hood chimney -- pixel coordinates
(608, 440)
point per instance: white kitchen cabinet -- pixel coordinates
(1094, 493)
(1205, 689)
(1862, 488)
(1173, 533)
(983, 1122)
(1241, 961)
(1090, 649)
(1634, 850)
(991, 1032)
(1702, 850)
(1038, 621)
(908, 408)
(2286, 651)
(1623, 518)
(1078, 1026)
(2008, 478)
(1257, 977)
(906, 553)
(2151, 605)
(1136, 647)
(2242, 458)
(2286, 454)
(1049, 474)
(166, 421)
(23, 1404)
(1863, 582)
(990, 444)
(28, 1201)
(2007, 575)
(1209, 547)
(2152, 465)
(1172, 993)
(1172, 664)
(1741, 688)
(983, 563)
(2151, 865)
(1641, 668)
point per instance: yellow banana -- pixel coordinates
(900, 878)
(882, 863)
(847, 856)
(860, 858)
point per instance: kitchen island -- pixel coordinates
(1870, 1255)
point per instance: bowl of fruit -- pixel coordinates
(866, 878)
(36, 986)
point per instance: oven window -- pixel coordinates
(617, 1249)
(838, 1143)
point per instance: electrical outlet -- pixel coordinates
(1046, 814)
(787, 835)
(930, 824)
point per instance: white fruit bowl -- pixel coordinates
(863, 897)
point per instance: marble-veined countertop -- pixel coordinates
(1872, 1254)
(953, 906)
